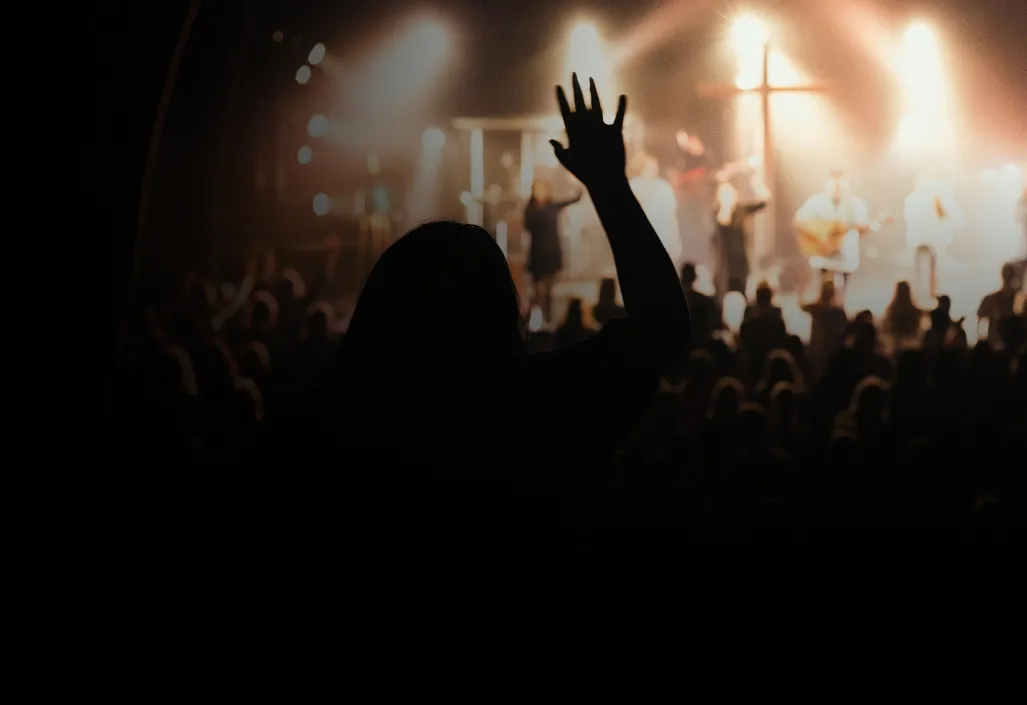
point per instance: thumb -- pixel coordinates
(560, 151)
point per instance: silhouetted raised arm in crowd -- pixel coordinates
(453, 433)
(648, 280)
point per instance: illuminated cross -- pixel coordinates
(764, 232)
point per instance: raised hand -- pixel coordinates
(595, 151)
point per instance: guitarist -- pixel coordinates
(837, 255)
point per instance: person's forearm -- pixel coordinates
(648, 281)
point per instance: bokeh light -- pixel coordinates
(321, 204)
(317, 54)
(302, 74)
(433, 139)
(304, 155)
(318, 126)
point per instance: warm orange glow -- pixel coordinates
(589, 57)
(927, 128)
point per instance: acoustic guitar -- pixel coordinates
(824, 237)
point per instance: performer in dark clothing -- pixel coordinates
(729, 238)
(545, 258)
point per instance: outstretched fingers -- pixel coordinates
(597, 106)
(565, 109)
(579, 96)
(622, 107)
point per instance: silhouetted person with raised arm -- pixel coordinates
(441, 445)
(545, 256)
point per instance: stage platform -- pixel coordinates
(965, 281)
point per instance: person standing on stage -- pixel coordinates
(545, 254)
(693, 179)
(658, 200)
(932, 219)
(731, 216)
(847, 216)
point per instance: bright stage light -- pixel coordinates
(748, 38)
(748, 31)
(587, 56)
(317, 54)
(317, 126)
(399, 77)
(928, 130)
(923, 72)
(302, 74)
(920, 36)
(433, 139)
(321, 204)
(304, 155)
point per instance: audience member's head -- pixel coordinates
(575, 317)
(903, 296)
(263, 311)
(827, 293)
(440, 303)
(607, 292)
(764, 294)
(688, 275)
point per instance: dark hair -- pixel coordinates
(903, 294)
(439, 301)
(764, 294)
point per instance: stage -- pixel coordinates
(965, 280)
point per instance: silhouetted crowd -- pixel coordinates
(437, 437)
(876, 439)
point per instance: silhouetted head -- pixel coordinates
(783, 400)
(688, 274)
(870, 403)
(439, 304)
(725, 399)
(827, 292)
(263, 311)
(254, 360)
(575, 315)
(319, 318)
(781, 367)
(1008, 275)
(903, 294)
(764, 294)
